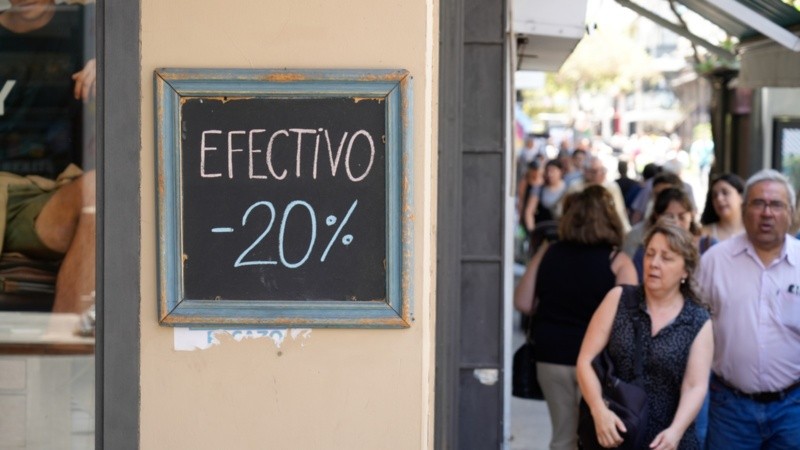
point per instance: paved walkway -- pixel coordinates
(530, 425)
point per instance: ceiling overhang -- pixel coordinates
(547, 32)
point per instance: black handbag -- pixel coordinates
(524, 383)
(627, 399)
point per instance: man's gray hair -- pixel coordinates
(591, 159)
(674, 166)
(771, 175)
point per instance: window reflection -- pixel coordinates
(47, 70)
(47, 218)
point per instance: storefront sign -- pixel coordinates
(284, 197)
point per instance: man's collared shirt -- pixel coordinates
(756, 314)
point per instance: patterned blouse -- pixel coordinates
(665, 358)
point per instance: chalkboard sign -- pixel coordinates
(284, 197)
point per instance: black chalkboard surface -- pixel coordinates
(283, 198)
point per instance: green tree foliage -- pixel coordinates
(795, 3)
(712, 62)
(607, 59)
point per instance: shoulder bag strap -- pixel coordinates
(638, 333)
(630, 298)
(528, 330)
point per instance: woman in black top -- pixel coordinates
(562, 286)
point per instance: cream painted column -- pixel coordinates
(327, 389)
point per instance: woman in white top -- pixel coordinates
(543, 203)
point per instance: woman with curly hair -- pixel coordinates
(675, 343)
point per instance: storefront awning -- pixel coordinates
(749, 18)
(744, 19)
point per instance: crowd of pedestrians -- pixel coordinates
(718, 296)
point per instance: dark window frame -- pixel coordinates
(778, 125)
(118, 225)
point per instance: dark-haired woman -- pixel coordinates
(676, 344)
(543, 202)
(722, 215)
(530, 183)
(674, 204)
(562, 286)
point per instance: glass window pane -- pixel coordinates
(47, 199)
(790, 152)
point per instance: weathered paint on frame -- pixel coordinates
(172, 85)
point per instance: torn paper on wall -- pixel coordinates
(188, 339)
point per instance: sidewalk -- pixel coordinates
(530, 425)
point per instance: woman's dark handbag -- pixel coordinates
(627, 400)
(524, 383)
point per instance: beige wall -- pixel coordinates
(332, 389)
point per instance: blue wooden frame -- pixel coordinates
(173, 85)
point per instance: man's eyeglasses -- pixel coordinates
(760, 204)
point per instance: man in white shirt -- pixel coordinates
(752, 283)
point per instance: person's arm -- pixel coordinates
(607, 424)
(523, 293)
(619, 205)
(704, 279)
(623, 268)
(693, 390)
(530, 210)
(522, 186)
(636, 216)
(639, 205)
(85, 87)
(632, 240)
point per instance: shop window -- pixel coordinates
(47, 195)
(786, 148)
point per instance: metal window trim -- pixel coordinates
(117, 358)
